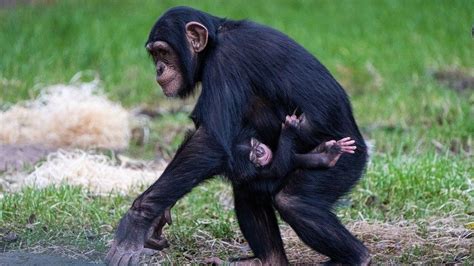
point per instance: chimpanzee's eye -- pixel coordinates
(252, 157)
(163, 52)
(260, 152)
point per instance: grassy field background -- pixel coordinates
(383, 52)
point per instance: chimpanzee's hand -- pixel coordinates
(157, 241)
(291, 122)
(129, 241)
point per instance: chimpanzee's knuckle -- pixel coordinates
(135, 260)
(282, 200)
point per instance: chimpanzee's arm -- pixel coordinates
(283, 161)
(199, 158)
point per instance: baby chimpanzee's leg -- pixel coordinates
(325, 155)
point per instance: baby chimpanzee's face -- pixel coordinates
(260, 154)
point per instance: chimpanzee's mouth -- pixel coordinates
(267, 158)
(163, 82)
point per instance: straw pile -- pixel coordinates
(97, 173)
(73, 115)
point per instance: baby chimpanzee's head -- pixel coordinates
(260, 154)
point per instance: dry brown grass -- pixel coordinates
(95, 172)
(67, 115)
(438, 241)
(435, 241)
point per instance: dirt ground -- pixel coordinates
(23, 258)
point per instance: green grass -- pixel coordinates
(382, 52)
(65, 215)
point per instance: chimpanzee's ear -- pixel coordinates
(196, 34)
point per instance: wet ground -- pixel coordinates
(23, 258)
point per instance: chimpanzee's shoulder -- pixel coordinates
(233, 29)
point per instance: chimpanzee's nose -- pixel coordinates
(160, 68)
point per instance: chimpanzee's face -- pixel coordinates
(168, 73)
(260, 154)
(167, 60)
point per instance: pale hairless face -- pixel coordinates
(168, 73)
(168, 67)
(260, 154)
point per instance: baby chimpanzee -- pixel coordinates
(324, 155)
(279, 163)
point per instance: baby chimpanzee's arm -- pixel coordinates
(282, 161)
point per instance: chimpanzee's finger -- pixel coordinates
(347, 143)
(149, 251)
(116, 258)
(125, 259)
(111, 253)
(135, 259)
(348, 148)
(157, 244)
(344, 139)
(168, 216)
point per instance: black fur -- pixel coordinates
(252, 76)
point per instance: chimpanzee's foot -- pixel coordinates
(330, 151)
(149, 251)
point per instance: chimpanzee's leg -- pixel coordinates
(305, 203)
(259, 226)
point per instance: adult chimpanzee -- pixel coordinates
(252, 76)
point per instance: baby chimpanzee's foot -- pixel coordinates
(332, 150)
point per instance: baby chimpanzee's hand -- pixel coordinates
(291, 122)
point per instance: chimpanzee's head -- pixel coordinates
(177, 43)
